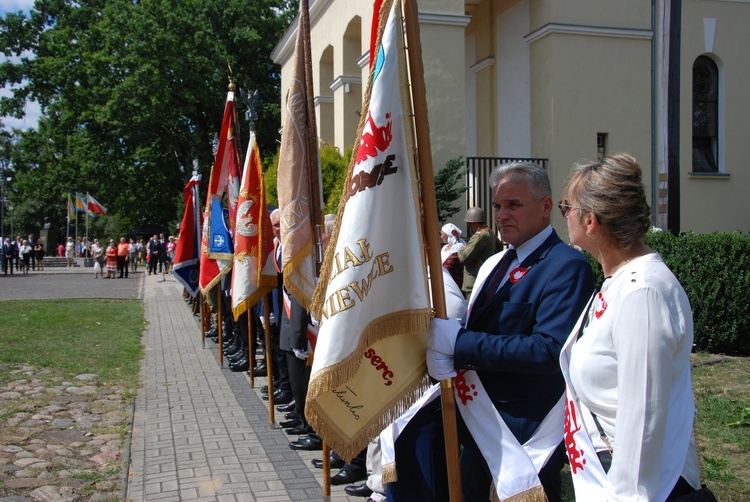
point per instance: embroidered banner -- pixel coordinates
(372, 299)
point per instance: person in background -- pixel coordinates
(98, 253)
(7, 257)
(17, 253)
(133, 256)
(39, 253)
(154, 254)
(70, 252)
(481, 246)
(32, 244)
(169, 254)
(627, 361)
(452, 244)
(123, 251)
(25, 252)
(111, 260)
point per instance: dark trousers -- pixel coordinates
(122, 265)
(299, 377)
(420, 463)
(279, 357)
(152, 264)
(7, 264)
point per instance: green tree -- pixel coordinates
(447, 189)
(131, 93)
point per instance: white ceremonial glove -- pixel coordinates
(439, 365)
(262, 320)
(300, 354)
(272, 319)
(314, 321)
(443, 334)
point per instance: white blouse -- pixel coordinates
(631, 367)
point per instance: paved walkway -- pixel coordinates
(200, 432)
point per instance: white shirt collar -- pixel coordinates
(524, 250)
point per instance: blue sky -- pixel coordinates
(15, 5)
(32, 109)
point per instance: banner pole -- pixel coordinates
(432, 235)
(219, 317)
(269, 358)
(250, 360)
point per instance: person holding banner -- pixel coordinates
(627, 362)
(506, 358)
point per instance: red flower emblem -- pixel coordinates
(517, 273)
(602, 306)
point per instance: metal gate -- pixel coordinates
(478, 171)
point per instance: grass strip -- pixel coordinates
(75, 337)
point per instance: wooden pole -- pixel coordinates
(203, 319)
(250, 330)
(269, 358)
(326, 470)
(432, 234)
(219, 328)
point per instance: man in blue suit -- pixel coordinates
(524, 305)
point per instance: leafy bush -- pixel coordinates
(270, 177)
(446, 190)
(334, 167)
(714, 270)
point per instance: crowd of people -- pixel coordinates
(22, 255)
(111, 259)
(593, 375)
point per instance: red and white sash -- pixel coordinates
(514, 467)
(589, 478)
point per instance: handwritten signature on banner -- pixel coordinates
(346, 396)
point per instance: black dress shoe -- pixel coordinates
(280, 398)
(291, 415)
(308, 443)
(290, 424)
(212, 333)
(242, 365)
(260, 371)
(299, 430)
(358, 490)
(283, 398)
(347, 477)
(291, 406)
(336, 463)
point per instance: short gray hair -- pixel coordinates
(533, 174)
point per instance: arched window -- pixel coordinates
(705, 115)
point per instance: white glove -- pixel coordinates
(300, 354)
(443, 334)
(272, 319)
(439, 365)
(314, 321)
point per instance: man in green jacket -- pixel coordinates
(482, 245)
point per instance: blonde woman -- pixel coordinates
(627, 361)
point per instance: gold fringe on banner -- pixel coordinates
(535, 494)
(290, 267)
(347, 450)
